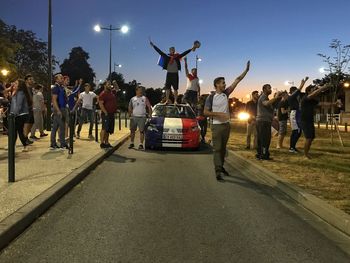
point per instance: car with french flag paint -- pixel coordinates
(174, 126)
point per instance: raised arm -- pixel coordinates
(157, 49)
(186, 67)
(317, 92)
(231, 88)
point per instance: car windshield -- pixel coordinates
(173, 111)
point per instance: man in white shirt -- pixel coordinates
(87, 98)
(216, 106)
(138, 114)
(192, 93)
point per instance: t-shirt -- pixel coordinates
(251, 108)
(138, 105)
(172, 67)
(109, 101)
(280, 115)
(61, 96)
(293, 100)
(192, 83)
(220, 104)
(38, 99)
(265, 113)
(307, 109)
(88, 99)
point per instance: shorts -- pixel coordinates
(30, 118)
(137, 122)
(108, 122)
(172, 79)
(282, 128)
(308, 130)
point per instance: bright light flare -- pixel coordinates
(97, 28)
(243, 116)
(124, 29)
(5, 72)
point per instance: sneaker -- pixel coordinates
(54, 147)
(291, 150)
(29, 142)
(267, 158)
(219, 178)
(64, 147)
(225, 172)
(103, 146)
(43, 135)
(108, 145)
(131, 146)
(140, 147)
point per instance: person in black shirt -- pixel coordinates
(251, 109)
(282, 114)
(294, 117)
(308, 104)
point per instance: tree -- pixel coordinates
(77, 66)
(118, 77)
(23, 53)
(338, 70)
(154, 95)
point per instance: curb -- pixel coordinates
(16, 223)
(333, 216)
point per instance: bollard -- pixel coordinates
(71, 131)
(120, 121)
(126, 121)
(11, 148)
(96, 126)
(346, 127)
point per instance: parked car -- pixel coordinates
(172, 126)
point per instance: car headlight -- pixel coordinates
(152, 127)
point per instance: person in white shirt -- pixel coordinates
(138, 114)
(87, 99)
(192, 93)
(216, 106)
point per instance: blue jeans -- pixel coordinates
(59, 121)
(89, 114)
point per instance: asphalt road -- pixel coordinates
(167, 206)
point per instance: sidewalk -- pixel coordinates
(39, 169)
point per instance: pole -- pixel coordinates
(120, 121)
(96, 126)
(49, 48)
(110, 51)
(126, 121)
(196, 61)
(11, 148)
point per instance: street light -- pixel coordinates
(197, 59)
(200, 81)
(5, 72)
(123, 29)
(346, 85)
(117, 65)
(287, 83)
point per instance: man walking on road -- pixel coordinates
(138, 106)
(108, 104)
(216, 106)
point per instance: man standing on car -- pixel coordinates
(138, 106)
(217, 107)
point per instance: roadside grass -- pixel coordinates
(326, 175)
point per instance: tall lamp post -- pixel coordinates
(123, 29)
(49, 48)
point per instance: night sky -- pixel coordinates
(281, 38)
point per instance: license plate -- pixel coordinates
(172, 136)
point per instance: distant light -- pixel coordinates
(163, 91)
(100, 80)
(199, 59)
(243, 116)
(97, 28)
(5, 72)
(322, 70)
(124, 91)
(288, 83)
(346, 84)
(124, 29)
(200, 81)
